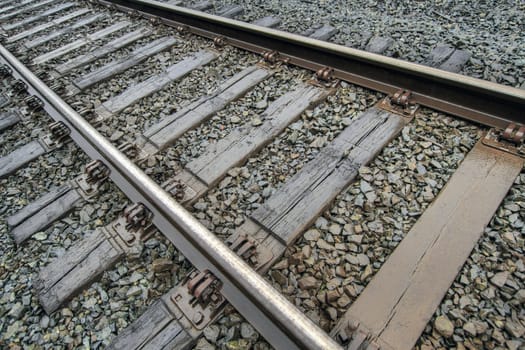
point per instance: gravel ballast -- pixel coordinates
(326, 269)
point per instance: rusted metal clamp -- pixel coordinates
(244, 246)
(19, 86)
(219, 41)
(131, 229)
(55, 139)
(95, 174)
(34, 103)
(514, 133)
(509, 140)
(138, 217)
(271, 56)
(324, 77)
(176, 188)
(59, 131)
(325, 74)
(401, 102)
(249, 250)
(199, 298)
(129, 149)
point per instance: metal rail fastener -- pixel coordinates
(280, 322)
(473, 99)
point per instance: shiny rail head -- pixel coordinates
(273, 315)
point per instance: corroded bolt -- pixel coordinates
(198, 318)
(219, 41)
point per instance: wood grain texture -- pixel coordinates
(268, 22)
(156, 325)
(456, 61)
(170, 128)
(62, 31)
(365, 137)
(230, 11)
(20, 157)
(71, 275)
(293, 208)
(439, 54)
(80, 42)
(324, 33)
(402, 297)
(201, 5)
(239, 144)
(47, 25)
(102, 51)
(119, 66)
(37, 205)
(154, 83)
(379, 44)
(37, 17)
(46, 216)
(52, 273)
(13, 7)
(20, 10)
(8, 119)
(173, 336)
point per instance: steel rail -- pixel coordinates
(473, 99)
(281, 323)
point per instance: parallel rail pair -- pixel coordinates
(277, 319)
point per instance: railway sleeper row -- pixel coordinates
(443, 56)
(278, 223)
(392, 310)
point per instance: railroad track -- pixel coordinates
(178, 108)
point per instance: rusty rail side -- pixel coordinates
(473, 99)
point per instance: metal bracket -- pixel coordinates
(199, 298)
(272, 57)
(176, 188)
(179, 190)
(19, 86)
(134, 14)
(129, 149)
(55, 139)
(58, 87)
(354, 336)
(34, 103)
(509, 140)
(41, 73)
(182, 29)
(272, 60)
(249, 250)
(88, 184)
(138, 218)
(400, 103)
(324, 77)
(155, 20)
(325, 74)
(132, 227)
